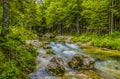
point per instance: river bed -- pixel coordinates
(105, 67)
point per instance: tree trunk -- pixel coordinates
(109, 22)
(112, 18)
(77, 24)
(77, 18)
(5, 25)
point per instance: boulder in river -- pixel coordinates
(56, 67)
(80, 61)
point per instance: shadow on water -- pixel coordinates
(104, 69)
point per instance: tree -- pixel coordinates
(77, 17)
(117, 15)
(111, 18)
(95, 14)
(5, 25)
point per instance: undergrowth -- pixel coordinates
(108, 41)
(17, 59)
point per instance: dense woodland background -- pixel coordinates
(20, 20)
(64, 16)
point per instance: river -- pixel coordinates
(103, 68)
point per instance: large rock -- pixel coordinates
(56, 66)
(80, 61)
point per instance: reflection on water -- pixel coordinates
(108, 69)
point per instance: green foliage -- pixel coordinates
(20, 33)
(84, 37)
(17, 58)
(10, 70)
(95, 13)
(108, 41)
(25, 14)
(55, 16)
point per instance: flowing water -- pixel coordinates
(104, 69)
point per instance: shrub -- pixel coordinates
(18, 62)
(108, 41)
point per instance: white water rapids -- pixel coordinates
(109, 69)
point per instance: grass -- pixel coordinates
(104, 41)
(15, 61)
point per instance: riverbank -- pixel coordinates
(103, 41)
(43, 58)
(104, 63)
(88, 44)
(96, 45)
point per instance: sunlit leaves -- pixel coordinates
(96, 13)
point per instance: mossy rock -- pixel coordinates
(80, 61)
(56, 67)
(76, 62)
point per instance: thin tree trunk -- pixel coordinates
(77, 25)
(77, 19)
(112, 18)
(5, 25)
(115, 23)
(109, 22)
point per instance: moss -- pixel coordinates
(83, 74)
(102, 54)
(49, 51)
(91, 74)
(56, 67)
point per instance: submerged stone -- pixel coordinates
(80, 61)
(56, 67)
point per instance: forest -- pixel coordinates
(92, 25)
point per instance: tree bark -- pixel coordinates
(109, 22)
(77, 24)
(112, 18)
(77, 18)
(5, 25)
